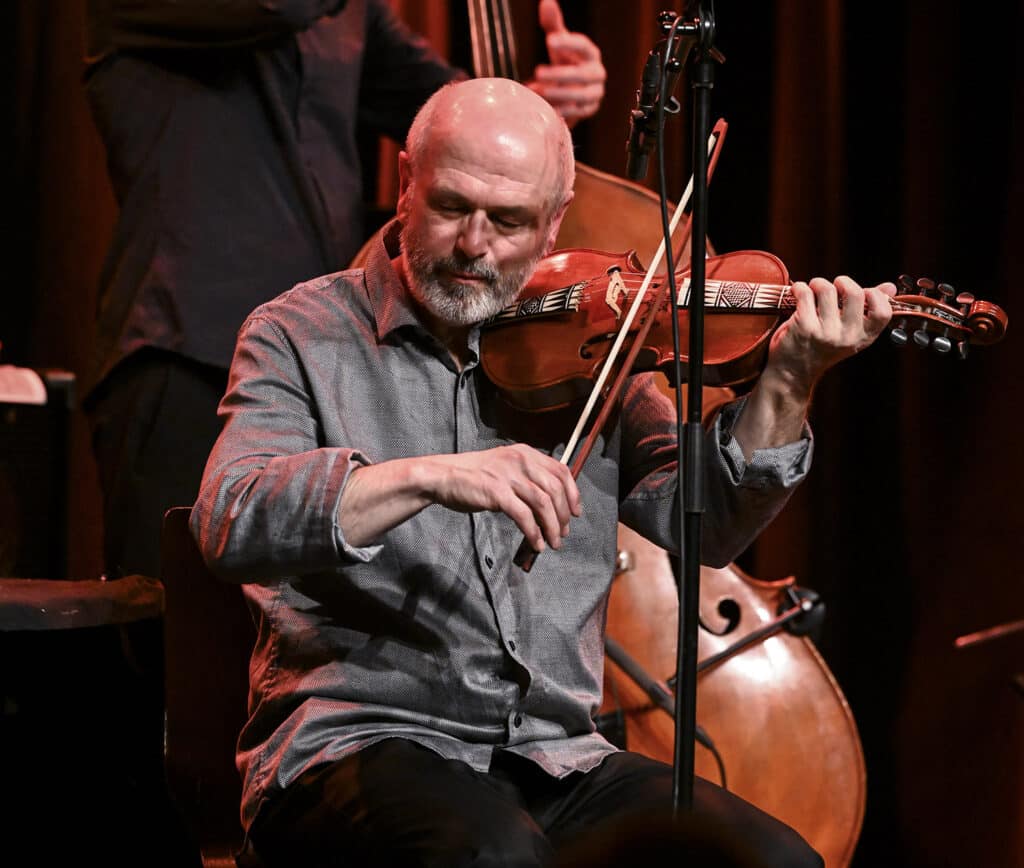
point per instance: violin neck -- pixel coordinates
(740, 295)
(492, 39)
(719, 294)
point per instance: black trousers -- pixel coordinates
(398, 804)
(154, 422)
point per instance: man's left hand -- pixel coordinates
(574, 80)
(832, 321)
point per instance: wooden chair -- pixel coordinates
(208, 637)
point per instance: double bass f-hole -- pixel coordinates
(801, 612)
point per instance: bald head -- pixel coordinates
(505, 119)
(485, 180)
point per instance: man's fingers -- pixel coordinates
(573, 101)
(574, 80)
(549, 13)
(826, 301)
(525, 519)
(852, 310)
(585, 82)
(878, 307)
(536, 491)
(572, 48)
(541, 512)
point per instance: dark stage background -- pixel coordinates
(870, 139)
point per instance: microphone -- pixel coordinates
(641, 142)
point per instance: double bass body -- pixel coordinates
(783, 731)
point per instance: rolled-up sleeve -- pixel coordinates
(741, 497)
(268, 502)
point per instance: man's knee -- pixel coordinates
(512, 842)
(659, 839)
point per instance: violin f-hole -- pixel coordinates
(586, 348)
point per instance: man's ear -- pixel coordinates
(556, 223)
(404, 182)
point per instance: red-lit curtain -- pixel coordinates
(862, 139)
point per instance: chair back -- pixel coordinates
(208, 638)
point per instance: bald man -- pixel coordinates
(416, 698)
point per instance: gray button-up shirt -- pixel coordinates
(432, 634)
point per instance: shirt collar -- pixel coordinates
(392, 305)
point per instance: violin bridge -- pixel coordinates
(616, 288)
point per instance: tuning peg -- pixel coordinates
(942, 343)
(898, 334)
(946, 292)
(906, 283)
(965, 300)
(925, 286)
(922, 338)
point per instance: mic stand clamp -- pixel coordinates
(643, 120)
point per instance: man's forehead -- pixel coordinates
(507, 161)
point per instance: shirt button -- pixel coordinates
(518, 720)
(512, 644)
(489, 561)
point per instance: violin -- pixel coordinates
(544, 352)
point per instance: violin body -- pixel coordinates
(553, 360)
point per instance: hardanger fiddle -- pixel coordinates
(544, 352)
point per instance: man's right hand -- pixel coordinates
(536, 491)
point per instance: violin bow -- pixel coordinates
(525, 556)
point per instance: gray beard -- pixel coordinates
(458, 303)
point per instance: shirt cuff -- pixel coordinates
(777, 466)
(350, 554)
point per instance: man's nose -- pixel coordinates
(474, 235)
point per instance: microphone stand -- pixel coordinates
(648, 118)
(691, 444)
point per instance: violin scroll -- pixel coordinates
(943, 317)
